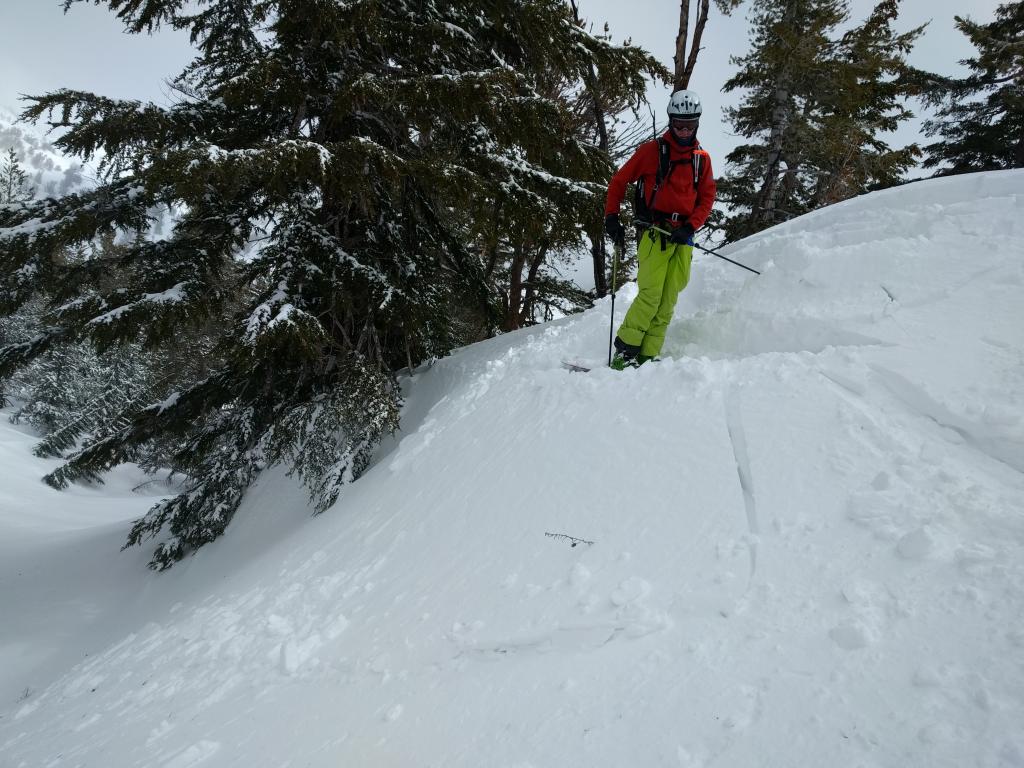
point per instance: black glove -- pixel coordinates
(681, 235)
(614, 228)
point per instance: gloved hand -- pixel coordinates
(681, 235)
(614, 228)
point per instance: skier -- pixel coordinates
(675, 192)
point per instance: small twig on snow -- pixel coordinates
(574, 541)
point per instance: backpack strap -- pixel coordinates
(664, 162)
(665, 167)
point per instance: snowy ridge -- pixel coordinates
(50, 173)
(53, 174)
(807, 524)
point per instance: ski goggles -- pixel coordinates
(684, 124)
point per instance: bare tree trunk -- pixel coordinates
(526, 314)
(684, 64)
(515, 288)
(698, 33)
(492, 245)
(597, 250)
(599, 114)
(680, 57)
(765, 208)
(767, 199)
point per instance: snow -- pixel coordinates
(173, 295)
(807, 527)
(50, 173)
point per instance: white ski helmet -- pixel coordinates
(684, 104)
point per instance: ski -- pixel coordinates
(575, 367)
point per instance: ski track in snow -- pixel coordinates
(864, 608)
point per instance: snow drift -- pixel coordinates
(807, 528)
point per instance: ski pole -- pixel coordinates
(708, 250)
(616, 252)
(726, 258)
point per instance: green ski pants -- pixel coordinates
(663, 273)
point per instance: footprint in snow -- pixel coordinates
(850, 635)
(631, 590)
(193, 755)
(916, 545)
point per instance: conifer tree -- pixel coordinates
(74, 393)
(866, 98)
(334, 163)
(817, 105)
(15, 328)
(981, 120)
(25, 323)
(14, 185)
(783, 76)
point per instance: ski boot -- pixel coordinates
(621, 362)
(625, 355)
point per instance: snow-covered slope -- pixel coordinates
(807, 529)
(50, 173)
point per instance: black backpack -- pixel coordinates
(645, 211)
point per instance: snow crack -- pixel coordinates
(738, 438)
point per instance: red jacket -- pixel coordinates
(677, 194)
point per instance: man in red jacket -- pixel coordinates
(676, 183)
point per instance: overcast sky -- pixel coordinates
(42, 49)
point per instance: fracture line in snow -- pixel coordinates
(916, 399)
(738, 438)
(913, 400)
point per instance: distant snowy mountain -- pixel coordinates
(51, 173)
(798, 540)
